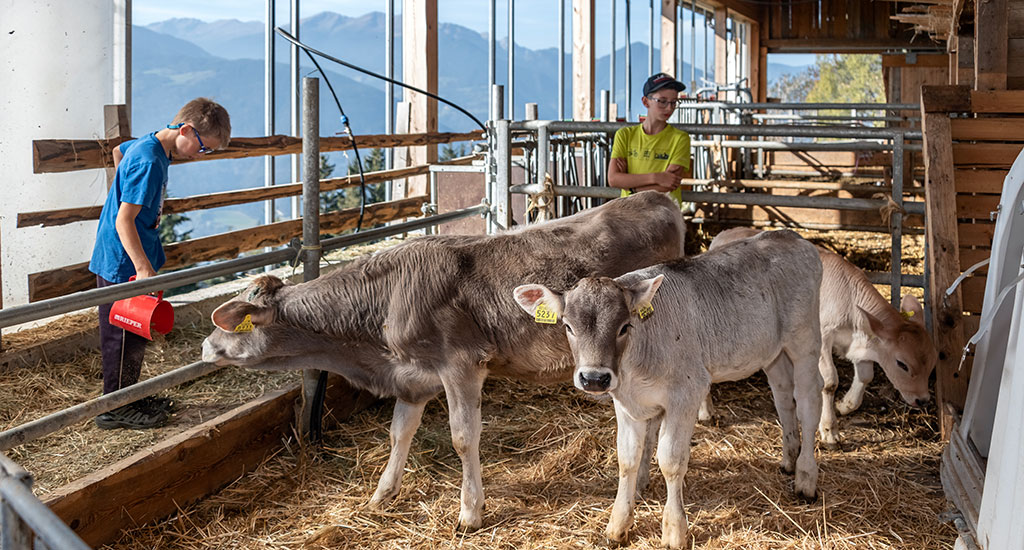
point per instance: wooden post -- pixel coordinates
(117, 125)
(721, 46)
(758, 64)
(991, 42)
(668, 38)
(964, 60)
(943, 255)
(419, 65)
(583, 59)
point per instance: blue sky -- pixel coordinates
(536, 21)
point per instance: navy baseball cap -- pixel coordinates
(662, 80)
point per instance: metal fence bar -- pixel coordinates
(896, 220)
(781, 130)
(310, 226)
(80, 300)
(802, 106)
(88, 409)
(46, 525)
(750, 199)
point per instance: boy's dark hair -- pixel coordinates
(207, 117)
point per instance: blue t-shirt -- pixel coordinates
(141, 177)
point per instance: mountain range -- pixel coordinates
(179, 59)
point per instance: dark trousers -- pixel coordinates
(122, 351)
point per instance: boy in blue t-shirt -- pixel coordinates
(128, 242)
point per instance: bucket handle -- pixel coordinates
(159, 293)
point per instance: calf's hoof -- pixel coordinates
(831, 444)
(469, 525)
(807, 497)
(382, 497)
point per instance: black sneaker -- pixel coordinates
(139, 415)
(159, 403)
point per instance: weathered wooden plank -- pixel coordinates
(943, 246)
(980, 181)
(73, 278)
(971, 256)
(830, 159)
(159, 480)
(920, 60)
(973, 295)
(975, 234)
(988, 155)
(66, 155)
(990, 34)
(988, 129)
(978, 207)
(946, 99)
(1004, 101)
(799, 215)
(47, 218)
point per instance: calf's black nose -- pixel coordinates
(591, 381)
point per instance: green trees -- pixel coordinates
(834, 78)
(340, 199)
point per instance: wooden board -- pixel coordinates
(1006, 101)
(159, 480)
(943, 258)
(976, 234)
(978, 207)
(67, 155)
(73, 278)
(988, 129)
(979, 181)
(987, 155)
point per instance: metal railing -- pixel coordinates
(25, 522)
(544, 133)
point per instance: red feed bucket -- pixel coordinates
(143, 315)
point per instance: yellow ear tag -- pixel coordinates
(645, 311)
(544, 314)
(246, 325)
(907, 314)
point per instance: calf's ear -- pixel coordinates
(529, 297)
(231, 316)
(642, 293)
(912, 309)
(878, 328)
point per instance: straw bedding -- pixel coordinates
(549, 470)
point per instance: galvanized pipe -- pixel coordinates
(629, 68)
(310, 224)
(501, 198)
(269, 99)
(543, 144)
(730, 129)
(750, 199)
(561, 60)
(88, 298)
(296, 102)
(46, 425)
(511, 59)
(801, 225)
(47, 526)
(803, 146)
(389, 90)
(896, 219)
(611, 58)
(108, 402)
(491, 57)
(801, 106)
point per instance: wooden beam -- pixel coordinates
(159, 480)
(980, 181)
(419, 66)
(73, 278)
(721, 46)
(49, 218)
(990, 36)
(117, 127)
(946, 99)
(668, 38)
(854, 45)
(583, 42)
(986, 155)
(943, 260)
(1002, 101)
(918, 60)
(68, 155)
(964, 60)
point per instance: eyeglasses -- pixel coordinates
(664, 102)
(203, 150)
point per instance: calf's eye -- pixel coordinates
(624, 329)
(902, 365)
(568, 329)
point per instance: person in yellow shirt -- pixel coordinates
(652, 155)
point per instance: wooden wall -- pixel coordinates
(836, 26)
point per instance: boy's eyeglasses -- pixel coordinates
(203, 150)
(664, 102)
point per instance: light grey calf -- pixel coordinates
(434, 314)
(859, 324)
(656, 338)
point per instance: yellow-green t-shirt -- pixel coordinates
(646, 154)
